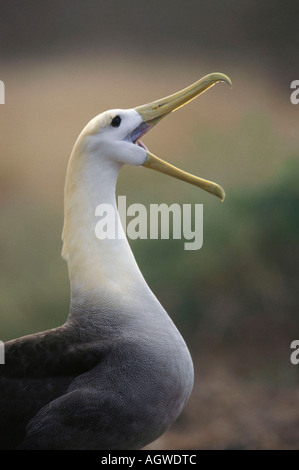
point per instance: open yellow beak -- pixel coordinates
(153, 112)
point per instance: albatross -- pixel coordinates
(117, 373)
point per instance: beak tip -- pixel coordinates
(224, 78)
(220, 193)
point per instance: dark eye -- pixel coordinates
(116, 121)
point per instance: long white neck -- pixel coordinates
(101, 270)
(109, 296)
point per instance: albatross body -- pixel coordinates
(118, 373)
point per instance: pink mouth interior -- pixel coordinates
(141, 144)
(137, 133)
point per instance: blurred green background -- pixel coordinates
(236, 299)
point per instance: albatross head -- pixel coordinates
(114, 135)
(109, 141)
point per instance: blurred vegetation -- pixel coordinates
(34, 282)
(243, 285)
